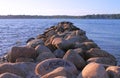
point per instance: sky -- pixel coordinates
(59, 7)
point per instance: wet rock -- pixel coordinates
(30, 39)
(113, 71)
(41, 48)
(18, 52)
(60, 71)
(45, 55)
(35, 43)
(93, 70)
(102, 60)
(75, 58)
(49, 65)
(9, 75)
(59, 53)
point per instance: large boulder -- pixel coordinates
(21, 69)
(49, 65)
(102, 60)
(41, 48)
(45, 55)
(63, 44)
(18, 52)
(60, 71)
(93, 70)
(95, 52)
(9, 75)
(75, 58)
(113, 71)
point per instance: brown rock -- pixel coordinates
(59, 53)
(63, 44)
(9, 75)
(93, 70)
(9, 67)
(75, 58)
(45, 55)
(41, 48)
(35, 43)
(60, 71)
(90, 45)
(80, 51)
(95, 52)
(113, 71)
(21, 69)
(22, 59)
(102, 60)
(49, 65)
(18, 52)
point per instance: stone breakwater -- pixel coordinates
(62, 51)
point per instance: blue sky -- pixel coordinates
(59, 7)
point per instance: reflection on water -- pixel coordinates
(15, 32)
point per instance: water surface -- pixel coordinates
(105, 33)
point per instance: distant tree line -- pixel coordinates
(94, 16)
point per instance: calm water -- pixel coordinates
(104, 32)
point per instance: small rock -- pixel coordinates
(49, 65)
(30, 39)
(113, 71)
(59, 53)
(35, 43)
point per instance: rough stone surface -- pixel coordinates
(49, 65)
(18, 52)
(102, 60)
(93, 70)
(44, 56)
(41, 48)
(59, 53)
(95, 52)
(60, 71)
(113, 71)
(34, 43)
(75, 58)
(9, 75)
(21, 69)
(22, 59)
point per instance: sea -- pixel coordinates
(104, 32)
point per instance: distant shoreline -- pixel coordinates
(94, 16)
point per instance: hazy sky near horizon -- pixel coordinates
(59, 7)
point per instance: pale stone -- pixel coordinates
(49, 65)
(93, 70)
(113, 71)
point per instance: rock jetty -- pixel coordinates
(61, 51)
